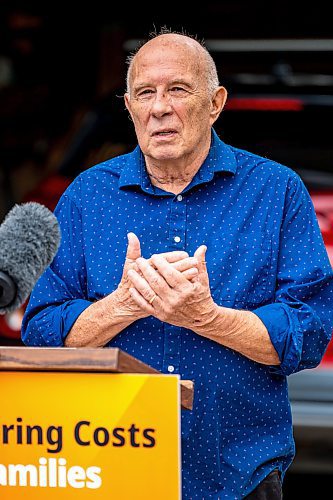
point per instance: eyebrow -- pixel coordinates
(179, 81)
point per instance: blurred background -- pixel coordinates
(62, 77)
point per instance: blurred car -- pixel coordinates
(311, 391)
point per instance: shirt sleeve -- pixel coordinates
(59, 295)
(300, 320)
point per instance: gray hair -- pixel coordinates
(212, 76)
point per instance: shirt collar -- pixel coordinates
(221, 158)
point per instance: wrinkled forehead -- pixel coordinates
(166, 60)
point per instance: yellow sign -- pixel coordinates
(89, 436)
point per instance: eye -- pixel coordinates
(145, 93)
(179, 91)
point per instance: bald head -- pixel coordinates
(184, 46)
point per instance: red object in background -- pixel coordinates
(328, 356)
(264, 104)
(49, 191)
(47, 194)
(323, 204)
(10, 324)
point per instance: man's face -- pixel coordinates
(169, 102)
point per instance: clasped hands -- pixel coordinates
(172, 287)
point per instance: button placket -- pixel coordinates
(178, 222)
(172, 348)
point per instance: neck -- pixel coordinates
(174, 175)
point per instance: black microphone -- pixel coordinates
(29, 240)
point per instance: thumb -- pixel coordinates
(133, 248)
(200, 255)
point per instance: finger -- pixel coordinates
(189, 274)
(141, 302)
(173, 277)
(185, 264)
(200, 254)
(174, 256)
(156, 282)
(133, 248)
(142, 285)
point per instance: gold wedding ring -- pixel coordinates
(152, 299)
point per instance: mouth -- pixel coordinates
(167, 133)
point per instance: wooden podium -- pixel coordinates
(71, 359)
(97, 420)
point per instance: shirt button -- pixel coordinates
(176, 239)
(171, 368)
(179, 197)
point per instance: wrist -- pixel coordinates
(123, 307)
(208, 321)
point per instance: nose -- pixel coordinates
(161, 104)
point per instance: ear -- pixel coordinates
(128, 102)
(218, 101)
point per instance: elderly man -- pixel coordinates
(234, 292)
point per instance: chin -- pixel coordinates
(164, 153)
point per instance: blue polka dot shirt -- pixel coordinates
(265, 254)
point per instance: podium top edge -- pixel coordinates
(71, 359)
(81, 359)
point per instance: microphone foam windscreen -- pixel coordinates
(29, 240)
